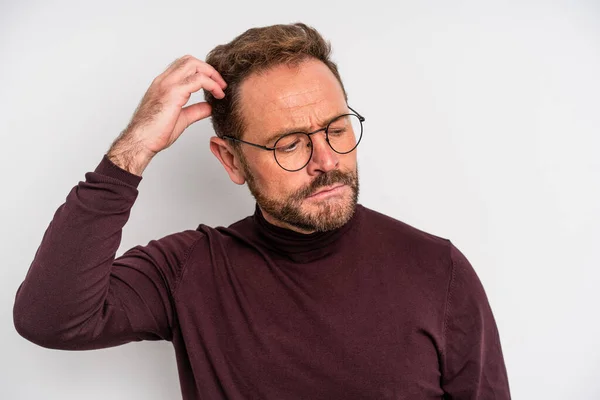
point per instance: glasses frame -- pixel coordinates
(326, 129)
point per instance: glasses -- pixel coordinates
(293, 151)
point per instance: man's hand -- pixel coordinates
(160, 117)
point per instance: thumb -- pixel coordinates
(196, 112)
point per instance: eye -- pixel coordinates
(290, 147)
(336, 131)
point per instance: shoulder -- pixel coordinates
(418, 250)
(390, 229)
(237, 230)
(173, 247)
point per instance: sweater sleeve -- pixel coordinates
(472, 362)
(76, 295)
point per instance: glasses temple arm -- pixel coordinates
(251, 144)
(355, 112)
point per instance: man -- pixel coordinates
(314, 296)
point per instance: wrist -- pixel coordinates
(129, 159)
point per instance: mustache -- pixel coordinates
(326, 179)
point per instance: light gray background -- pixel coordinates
(482, 126)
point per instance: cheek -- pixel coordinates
(349, 162)
(277, 183)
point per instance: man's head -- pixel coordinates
(280, 79)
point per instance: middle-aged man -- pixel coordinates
(314, 296)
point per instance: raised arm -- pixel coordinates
(76, 294)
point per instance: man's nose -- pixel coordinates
(323, 158)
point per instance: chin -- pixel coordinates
(330, 208)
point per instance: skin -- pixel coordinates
(161, 117)
(303, 97)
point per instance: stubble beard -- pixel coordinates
(331, 213)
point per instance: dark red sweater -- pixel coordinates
(374, 310)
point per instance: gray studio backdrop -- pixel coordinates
(482, 126)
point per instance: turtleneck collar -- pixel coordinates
(301, 247)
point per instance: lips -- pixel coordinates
(326, 189)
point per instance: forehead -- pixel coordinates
(285, 97)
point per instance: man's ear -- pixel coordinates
(228, 158)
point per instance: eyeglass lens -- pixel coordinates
(293, 151)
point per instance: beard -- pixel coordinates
(331, 213)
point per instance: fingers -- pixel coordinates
(195, 112)
(188, 75)
(199, 81)
(211, 72)
(177, 65)
(189, 65)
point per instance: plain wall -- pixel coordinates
(482, 126)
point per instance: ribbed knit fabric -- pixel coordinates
(376, 309)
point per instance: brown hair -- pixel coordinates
(255, 51)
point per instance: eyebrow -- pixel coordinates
(277, 135)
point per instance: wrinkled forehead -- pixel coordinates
(287, 98)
